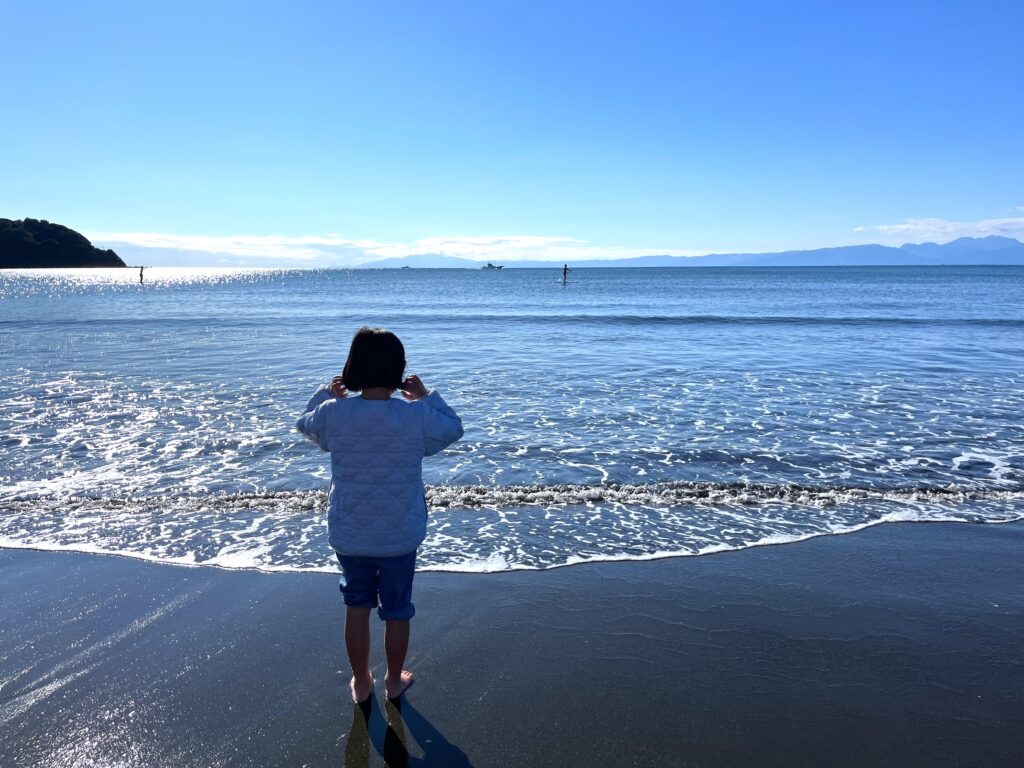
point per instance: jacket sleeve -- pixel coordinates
(441, 425)
(312, 422)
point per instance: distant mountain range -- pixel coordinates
(992, 250)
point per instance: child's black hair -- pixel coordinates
(375, 359)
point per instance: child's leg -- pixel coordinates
(357, 643)
(396, 646)
(396, 609)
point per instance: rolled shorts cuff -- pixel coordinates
(353, 601)
(384, 583)
(397, 614)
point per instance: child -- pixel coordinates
(377, 511)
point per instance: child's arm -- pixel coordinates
(322, 395)
(311, 423)
(441, 425)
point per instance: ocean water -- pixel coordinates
(628, 414)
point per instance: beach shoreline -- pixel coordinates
(897, 645)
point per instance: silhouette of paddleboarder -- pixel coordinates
(565, 273)
(140, 275)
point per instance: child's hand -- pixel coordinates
(338, 387)
(413, 388)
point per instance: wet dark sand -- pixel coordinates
(896, 646)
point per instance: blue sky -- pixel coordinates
(334, 132)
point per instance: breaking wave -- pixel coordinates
(491, 528)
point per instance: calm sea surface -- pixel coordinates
(631, 413)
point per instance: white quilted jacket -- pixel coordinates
(376, 505)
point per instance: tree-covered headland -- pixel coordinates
(35, 243)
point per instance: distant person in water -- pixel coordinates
(377, 512)
(565, 272)
(140, 275)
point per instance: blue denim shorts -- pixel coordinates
(384, 583)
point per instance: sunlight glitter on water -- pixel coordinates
(119, 399)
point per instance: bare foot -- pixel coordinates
(361, 689)
(395, 688)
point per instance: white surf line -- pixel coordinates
(476, 496)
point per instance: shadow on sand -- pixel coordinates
(386, 732)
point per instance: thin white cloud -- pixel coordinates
(942, 230)
(307, 248)
(338, 250)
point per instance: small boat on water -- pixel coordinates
(488, 265)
